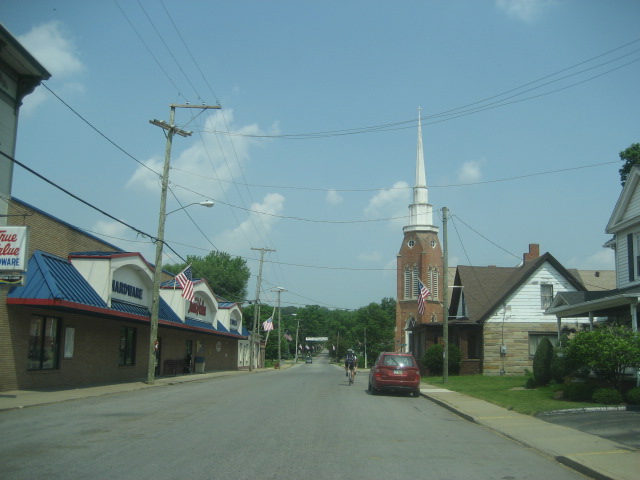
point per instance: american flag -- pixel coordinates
(268, 325)
(422, 296)
(185, 279)
(288, 337)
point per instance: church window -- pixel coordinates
(407, 282)
(433, 281)
(416, 288)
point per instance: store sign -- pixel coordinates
(14, 244)
(198, 307)
(127, 285)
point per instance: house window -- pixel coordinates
(416, 288)
(44, 343)
(127, 346)
(473, 345)
(546, 295)
(536, 338)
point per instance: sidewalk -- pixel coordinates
(15, 399)
(589, 454)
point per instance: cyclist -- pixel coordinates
(351, 363)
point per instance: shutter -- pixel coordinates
(630, 261)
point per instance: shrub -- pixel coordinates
(432, 359)
(578, 392)
(607, 351)
(561, 366)
(633, 396)
(608, 396)
(542, 362)
(530, 383)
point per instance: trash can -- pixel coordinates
(199, 364)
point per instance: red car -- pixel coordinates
(395, 371)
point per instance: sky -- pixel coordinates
(525, 107)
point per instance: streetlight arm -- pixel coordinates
(206, 203)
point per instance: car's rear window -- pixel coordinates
(398, 361)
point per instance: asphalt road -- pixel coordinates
(301, 422)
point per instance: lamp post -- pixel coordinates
(157, 273)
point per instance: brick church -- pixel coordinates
(419, 258)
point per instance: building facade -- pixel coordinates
(83, 315)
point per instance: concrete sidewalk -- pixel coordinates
(589, 454)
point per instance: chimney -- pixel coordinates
(534, 252)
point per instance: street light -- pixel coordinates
(157, 274)
(206, 203)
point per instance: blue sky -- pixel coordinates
(525, 106)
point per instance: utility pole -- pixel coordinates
(157, 273)
(445, 308)
(279, 290)
(256, 310)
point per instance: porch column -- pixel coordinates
(634, 314)
(559, 320)
(590, 320)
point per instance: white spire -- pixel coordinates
(421, 177)
(420, 212)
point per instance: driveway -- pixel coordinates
(622, 426)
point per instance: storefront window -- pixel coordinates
(127, 346)
(44, 343)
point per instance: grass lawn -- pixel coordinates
(508, 392)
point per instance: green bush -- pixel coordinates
(561, 366)
(633, 396)
(530, 383)
(578, 392)
(608, 396)
(542, 362)
(432, 360)
(607, 351)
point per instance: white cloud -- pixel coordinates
(525, 10)
(470, 172)
(54, 48)
(209, 165)
(601, 260)
(334, 198)
(389, 199)
(262, 217)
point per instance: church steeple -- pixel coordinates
(420, 212)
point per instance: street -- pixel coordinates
(304, 421)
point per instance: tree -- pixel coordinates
(631, 156)
(608, 351)
(542, 362)
(226, 275)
